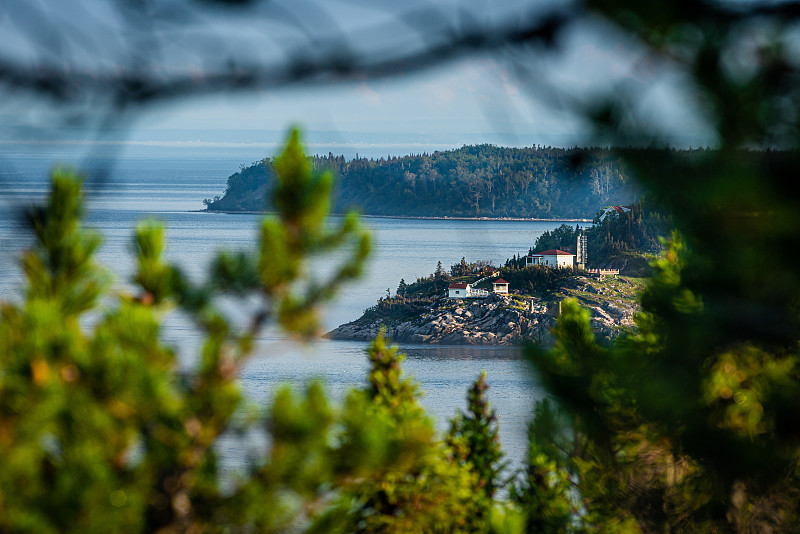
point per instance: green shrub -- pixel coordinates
(397, 309)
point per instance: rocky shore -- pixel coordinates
(496, 320)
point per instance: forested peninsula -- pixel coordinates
(473, 181)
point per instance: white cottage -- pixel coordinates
(458, 291)
(551, 258)
(465, 291)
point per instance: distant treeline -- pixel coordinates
(481, 180)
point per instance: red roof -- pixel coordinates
(619, 209)
(457, 286)
(500, 281)
(553, 252)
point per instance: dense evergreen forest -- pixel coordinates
(473, 181)
(614, 241)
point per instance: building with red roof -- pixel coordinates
(458, 291)
(465, 291)
(620, 210)
(551, 258)
(500, 286)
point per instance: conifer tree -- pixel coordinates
(402, 288)
(424, 489)
(474, 438)
(439, 273)
(543, 491)
(476, 434)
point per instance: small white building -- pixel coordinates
(500, 286)
(551, 258)
(465, 291)
(458, 291)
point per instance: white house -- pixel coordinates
(458, 291)
(465, 291)
(551, 258)
(500, 286)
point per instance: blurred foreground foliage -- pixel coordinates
(690, 424)
(100, 432)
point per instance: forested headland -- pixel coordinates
(614, 241)
(473, 181)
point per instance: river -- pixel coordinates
(170, 189)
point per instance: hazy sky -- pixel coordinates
(478, 98)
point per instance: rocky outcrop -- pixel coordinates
(497, 320)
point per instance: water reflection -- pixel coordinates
(461, 352)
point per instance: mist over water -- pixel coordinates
(169, 189)
(246, 146)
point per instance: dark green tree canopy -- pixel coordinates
(480, 180)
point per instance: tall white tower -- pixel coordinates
(580, 256)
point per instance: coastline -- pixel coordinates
(412, 217)
(504, 319)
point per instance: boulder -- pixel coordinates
(614, 309)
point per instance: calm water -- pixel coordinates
(169, 189)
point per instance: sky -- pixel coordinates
(513, 99)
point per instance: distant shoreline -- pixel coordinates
(413, 217)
